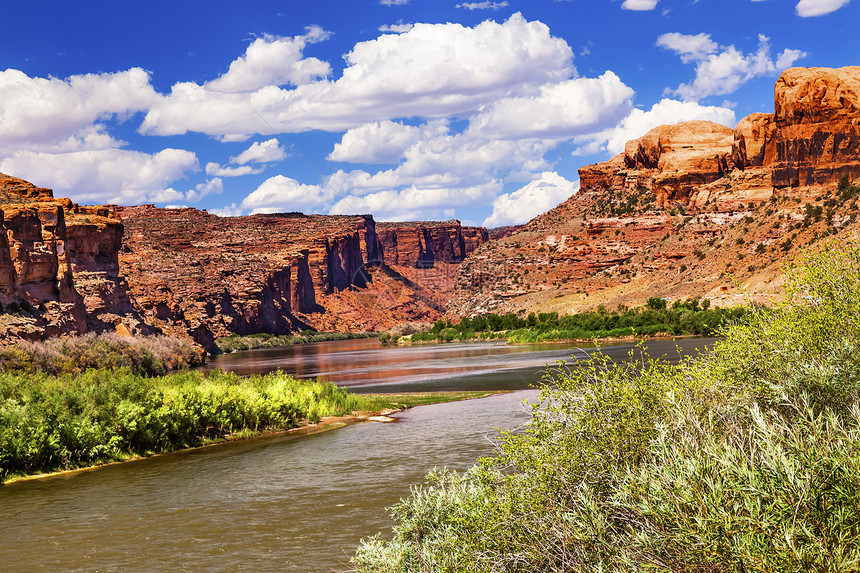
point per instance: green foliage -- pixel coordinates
(744, 459)
(49, 423)
(693, 316)
(236, 342)
(145, 355)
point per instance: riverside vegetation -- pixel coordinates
(693, 316)
(79, 402)
(238, 342)
(745, 459)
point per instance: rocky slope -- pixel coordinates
(192, 272)
(187, 273)
(694, 209)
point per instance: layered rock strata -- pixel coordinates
(193, 272)
(693, 209)
(61, 259)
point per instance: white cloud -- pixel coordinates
(214, 186)
(231, 210)
(483, 5)
(640, 122)
(417, 202)
(36, 112)
(283, 194)
(216, 170)
(274, 61)
(394, 2)
(261, 152)
(105, 175)
(808, 8)
(562, 110)
(689, 47)
(382, 141)
(723, 70)
(461, 70)
(639, 4)
(397, 28)
(545, 192)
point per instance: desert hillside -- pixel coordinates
(692, 209)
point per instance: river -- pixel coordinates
(281, 503)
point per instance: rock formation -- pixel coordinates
(61, 259)
(193, 272)
(687, 210)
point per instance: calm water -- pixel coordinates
(277, 504)
(367, 366)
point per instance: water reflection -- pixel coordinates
(366, 365)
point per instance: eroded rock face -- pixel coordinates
(192, 272)
(57, 256)
(687, 210)
(817, 126)
(422, 244)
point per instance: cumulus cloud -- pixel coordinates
(37, 112)
(640, 122)
(105, 175)
(639, 4)
(397, 28)
(283, 194)
(216, 170)
(426, 202)
(689, 47)
(231, 210)
(561, 110)
(461, 70)
(382, 141)
(261, 152)
(722, 70)
(539, 196)
(483, 5)
(809, 8)
(274, 61)
(214, 186)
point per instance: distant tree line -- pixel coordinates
(693, 316)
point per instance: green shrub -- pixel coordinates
(745, 459)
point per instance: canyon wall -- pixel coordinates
(193, 272)
(62, 260)
(692, 209)
(184, 272)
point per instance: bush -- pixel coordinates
(744, 459)
(145, 355)
(49, 423)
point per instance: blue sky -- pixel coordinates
(407, 109)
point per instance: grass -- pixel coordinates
(744, 459)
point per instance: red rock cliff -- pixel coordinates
(687, 210)
(58, 257)
(192, 272)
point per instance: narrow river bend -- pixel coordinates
(282, 503)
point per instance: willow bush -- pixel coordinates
(744, 459)
(50, 423)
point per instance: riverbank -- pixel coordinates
(382, 406)
(656, 319)
(238, 343)
(741, 459)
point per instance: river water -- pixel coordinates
(292, 504)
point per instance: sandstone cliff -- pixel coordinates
(61, 259)
(192, 272)
(693, 209)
